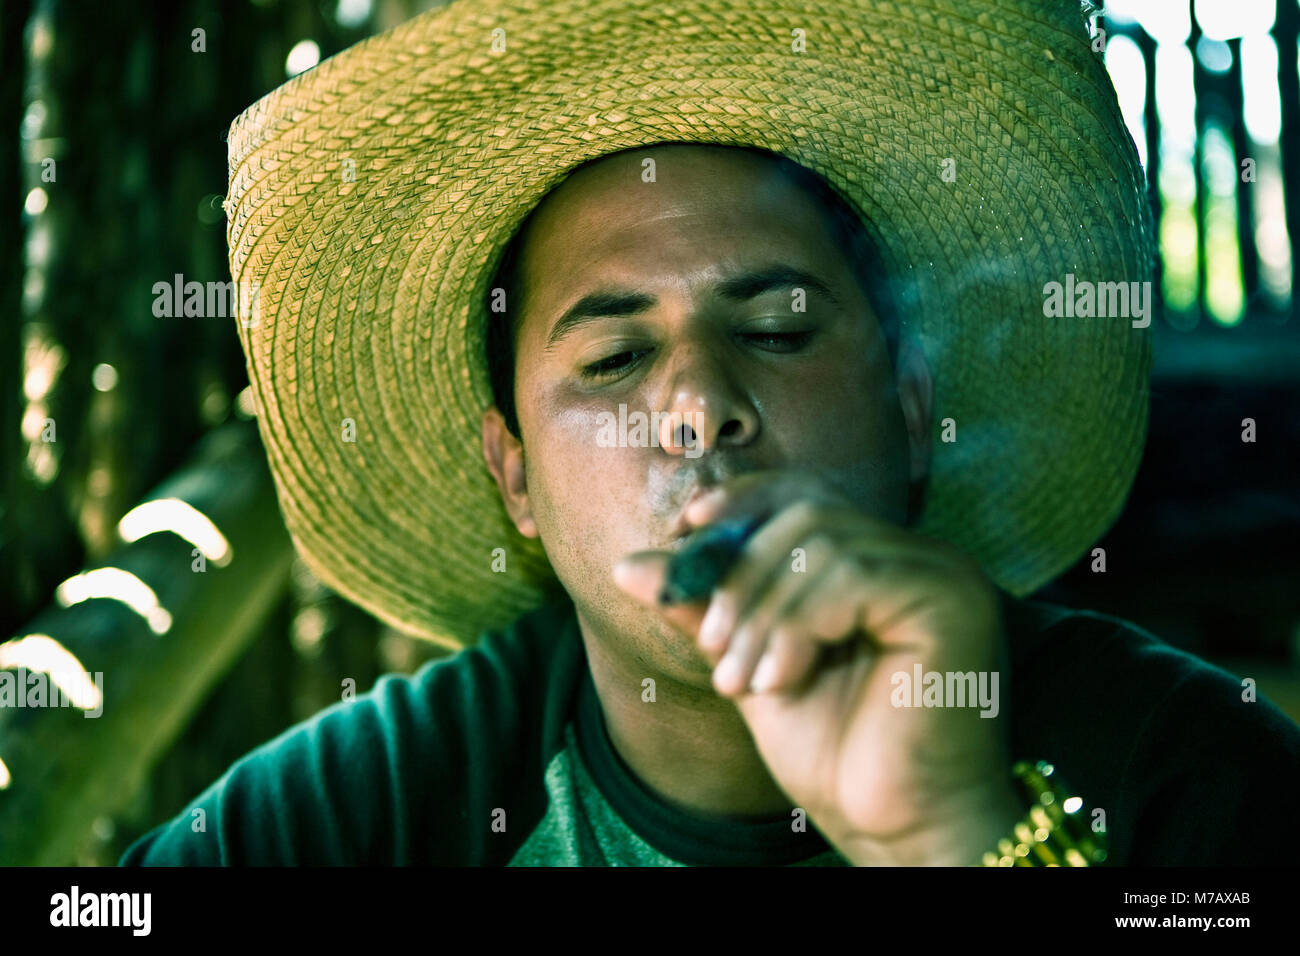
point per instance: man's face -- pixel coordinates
(762, 384)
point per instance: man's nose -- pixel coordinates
(706, 407)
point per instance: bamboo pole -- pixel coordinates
(66, 768)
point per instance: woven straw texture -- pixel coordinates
(374, 286)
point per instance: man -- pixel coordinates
(862, 684)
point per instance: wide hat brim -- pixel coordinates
(370, 199)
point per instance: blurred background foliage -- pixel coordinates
(115, 423)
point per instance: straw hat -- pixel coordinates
(371, 197)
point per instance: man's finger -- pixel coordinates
(642, 575)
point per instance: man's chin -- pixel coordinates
(692, 665)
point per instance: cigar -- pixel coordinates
(707, 557)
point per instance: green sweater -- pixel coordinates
(499, 755)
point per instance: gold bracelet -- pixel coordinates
(1051, 833)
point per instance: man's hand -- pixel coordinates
(885, 784)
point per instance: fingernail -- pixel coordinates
(727, 672)
(764, 675)
(709, 637)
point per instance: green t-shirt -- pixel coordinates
(498, 755)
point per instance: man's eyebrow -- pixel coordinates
(612, 302)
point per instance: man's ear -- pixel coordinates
(916, 397)
(504, 454)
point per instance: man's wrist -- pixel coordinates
(961, 839)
